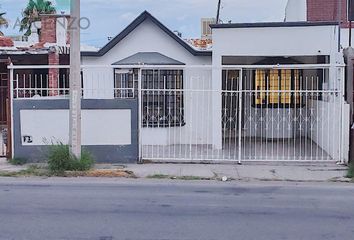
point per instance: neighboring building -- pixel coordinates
(317, 11)
(320, 11)
(205, 42)
(263, 92)
(205, 27)
(47, 45)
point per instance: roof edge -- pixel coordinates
(133, 25)
(273, 24)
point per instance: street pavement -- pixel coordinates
(110, 209)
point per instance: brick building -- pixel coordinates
(327, 10)
(317, 10)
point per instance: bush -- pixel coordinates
(351, 171)
(18, 161)
(85, 163)
(60, 160)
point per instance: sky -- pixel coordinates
(108, 17)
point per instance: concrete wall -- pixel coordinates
(330, 127)
(97, 126)
(110, 128)
(275, 41)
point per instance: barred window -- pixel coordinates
(162, 95)
(126, 83)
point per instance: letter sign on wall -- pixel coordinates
(27, 139)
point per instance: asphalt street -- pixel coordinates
(105, 209)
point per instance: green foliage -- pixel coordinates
(18, 161)
(60, 160)
(159, 176)
(32, 13)
(3, 22)
(351, 171)
(32, 170)
(85, 163)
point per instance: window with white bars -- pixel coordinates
(162, 95)
(126, 83)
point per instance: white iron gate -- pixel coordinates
(256, 113)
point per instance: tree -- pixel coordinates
(32, 13)
(3, 22)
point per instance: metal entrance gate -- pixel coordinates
(283, 114)
(255, 113)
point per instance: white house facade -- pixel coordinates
(264, 92)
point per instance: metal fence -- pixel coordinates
(255, 113)
(52, 82)
(248, 113)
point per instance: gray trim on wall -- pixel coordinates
(102, 154)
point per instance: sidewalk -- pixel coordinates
(268, 172)
(246, 172)
(6, 167)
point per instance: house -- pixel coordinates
(47, 48)
(262, 92)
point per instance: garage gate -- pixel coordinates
(258, 113)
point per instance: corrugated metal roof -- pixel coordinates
(148, 58)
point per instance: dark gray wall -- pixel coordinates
(102, 154)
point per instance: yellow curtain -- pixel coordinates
(279, 85)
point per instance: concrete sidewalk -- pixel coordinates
(7, 167)
(265, 172)
(246, 172)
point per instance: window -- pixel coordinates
(126, 83)
(163, 104)
(277, 88)
(162, 95)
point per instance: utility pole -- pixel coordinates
(75, 80)
(349, 56)
(218, 12)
